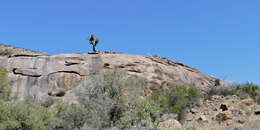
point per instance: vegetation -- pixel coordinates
(72, 116)
(103, 95)
(240, 90)
(25, 116)
(168, 101)
(220, 117)
(5, 87)
(217, 82)
(6, 52)
(109, 98)
(176, 100)
(114, 98)
(22, 115)
(93, 41)
(143, 113)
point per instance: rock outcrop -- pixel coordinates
(63, 71)
(47, 75)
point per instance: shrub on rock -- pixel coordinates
(5, 87)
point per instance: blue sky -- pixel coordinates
(220, 38)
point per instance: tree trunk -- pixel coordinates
(94, 48)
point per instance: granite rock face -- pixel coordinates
(54, 76)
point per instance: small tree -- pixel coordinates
(93, 41)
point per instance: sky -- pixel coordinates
(220, 38)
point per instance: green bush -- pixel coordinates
(240, 90)
(5, 88)
(107, 95)
(6, 52)
(252, 90)
(72, 116)
(22, 115)
(25, 116)
(193, 97)
(220, 117)
(142, 110)
(176, 100)
(217, 82)
(167, 100)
